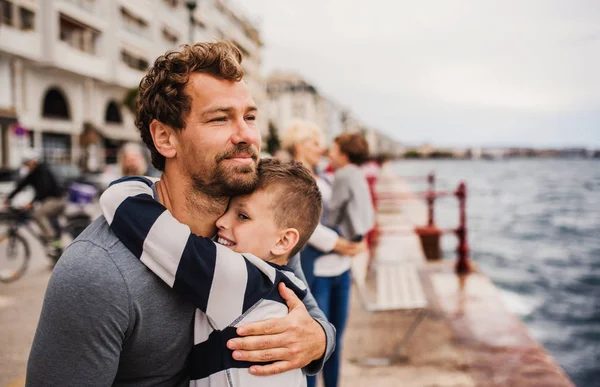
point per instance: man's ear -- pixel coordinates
(288, 239)
(164, 139)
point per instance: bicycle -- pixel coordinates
(15, 251)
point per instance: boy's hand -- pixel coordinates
(292, 341)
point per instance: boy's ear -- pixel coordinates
(287, 241)
(164, 139)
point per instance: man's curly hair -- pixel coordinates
(161, 94)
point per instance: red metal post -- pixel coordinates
(463, 263)
(430, 197)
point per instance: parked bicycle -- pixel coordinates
(15, 250)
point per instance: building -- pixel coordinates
(67, 65)
(291, 98)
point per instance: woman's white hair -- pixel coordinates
(299, 131)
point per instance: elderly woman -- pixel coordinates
(303, 141)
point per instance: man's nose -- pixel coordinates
(246, 134)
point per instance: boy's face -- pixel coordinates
(248, 225)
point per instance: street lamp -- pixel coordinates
(191, 6)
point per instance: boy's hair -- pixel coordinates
(355, 146)
(297, 201)
(161, 94)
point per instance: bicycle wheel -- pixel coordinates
(14, 257)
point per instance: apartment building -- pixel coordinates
(66, 66)
(291, 98)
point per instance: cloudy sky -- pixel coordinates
(449, 72)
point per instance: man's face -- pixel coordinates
(246, 218)
(219, 147)
(336, 157)
(133, 164)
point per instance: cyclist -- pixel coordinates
(48, 194)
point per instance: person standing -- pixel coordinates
(303, 141)
(350, 211)
(107, 319)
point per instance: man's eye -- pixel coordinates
(243, 216)
(219, 119)
(251, 118)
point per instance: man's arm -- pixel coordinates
(22, 184)
(315, 312)
(83, 323)
(300, 339)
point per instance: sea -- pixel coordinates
(534, 229)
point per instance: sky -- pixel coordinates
(447, 72)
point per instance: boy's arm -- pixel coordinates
(192, 265)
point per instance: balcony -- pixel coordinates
(22, 43)
(127, 76)
(80, 62)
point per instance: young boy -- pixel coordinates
(233, 281)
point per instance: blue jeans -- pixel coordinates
(333, 296)
(308, 256)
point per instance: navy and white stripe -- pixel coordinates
(228, 288)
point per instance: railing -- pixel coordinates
(430, 233)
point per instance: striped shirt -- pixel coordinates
(229, 289)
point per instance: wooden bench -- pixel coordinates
(398, 287)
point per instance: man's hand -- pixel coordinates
(345, 247)
(292, 341)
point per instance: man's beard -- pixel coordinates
(227, 181)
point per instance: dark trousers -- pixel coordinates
(333, 296)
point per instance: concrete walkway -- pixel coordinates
(469, 338)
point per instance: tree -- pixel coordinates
(129, 100)
(273, 143)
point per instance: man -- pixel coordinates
(106, 319)
(48, 193)
(132, 160)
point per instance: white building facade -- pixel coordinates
(291, 98)
(66, 66)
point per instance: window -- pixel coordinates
(7, 13)
(78, 35)
(172, 3)
(113, 113)
(133, 24)
(27, 19)
(55, 105)
(169, 36)
(133, 61)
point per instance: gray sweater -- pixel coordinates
(350, 208)
(108, 320)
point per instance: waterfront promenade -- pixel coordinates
(468, 339)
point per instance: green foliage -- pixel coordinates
(129, 100)
(412, 154)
